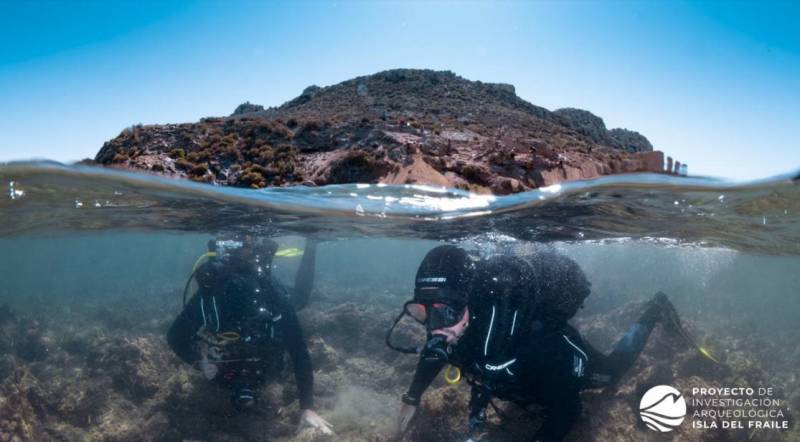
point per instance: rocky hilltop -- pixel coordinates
(397, 127)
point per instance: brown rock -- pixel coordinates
(399, 126)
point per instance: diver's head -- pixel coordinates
(441, 292)
(232, 246)
(264, 251)
(244, 248)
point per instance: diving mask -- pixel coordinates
(225, 248)
(444, 324)
(434, 315)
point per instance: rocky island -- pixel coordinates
(401, 126)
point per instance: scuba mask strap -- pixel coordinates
(406, 350)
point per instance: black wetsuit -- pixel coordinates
(549, 365)
(235, 297)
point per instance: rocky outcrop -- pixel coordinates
(398, 126)
(247, 108)
(593, 126)
(586, 123)
(630, 141)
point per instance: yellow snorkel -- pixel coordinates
(289, 252)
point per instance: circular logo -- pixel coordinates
(662, 408)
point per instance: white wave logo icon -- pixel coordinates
(662, 408)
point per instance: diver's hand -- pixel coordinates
(407, 412)
(209, 370)
(481, 436)
(310, 418)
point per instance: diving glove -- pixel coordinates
(660, 309)
(436, 348)
(209, 369)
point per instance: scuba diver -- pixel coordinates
(502, 322)
(240, 322)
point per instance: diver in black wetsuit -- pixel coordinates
(238, 325)
(485, 318)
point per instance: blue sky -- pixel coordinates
(716, 85)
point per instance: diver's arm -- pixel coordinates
(427, 370)
(181, 335)
(480, 397)
(304, 280)
(301, 359)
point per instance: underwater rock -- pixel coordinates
(22, 337)
(323, 356)
(442, 416)
(110, 384)
(30, 344)
(349, 327)
(80, 340)
(136, 365)
(6, 315)
(23, 406)
(7, 365)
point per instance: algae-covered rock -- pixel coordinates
(136, 365)
(24, 405)
(400, 126)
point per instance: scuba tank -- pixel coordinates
(559, 284)
(502, 306)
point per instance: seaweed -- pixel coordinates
(358, 166)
